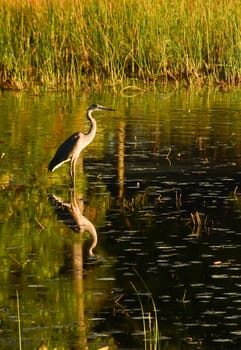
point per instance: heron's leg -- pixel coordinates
(72, 170)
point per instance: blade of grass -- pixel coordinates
(142, 314)
(19, 322)
(154, 338)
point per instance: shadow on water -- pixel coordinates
(162, 191)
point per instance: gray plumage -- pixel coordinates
(71, 148)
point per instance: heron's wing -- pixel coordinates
(65, 151)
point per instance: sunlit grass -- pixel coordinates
(151, 333)
(19, 322)
(70, 43)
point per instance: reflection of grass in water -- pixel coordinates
(149, 320)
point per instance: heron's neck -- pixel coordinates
(92, 131)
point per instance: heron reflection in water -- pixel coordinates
(71, 214)
(71, 148)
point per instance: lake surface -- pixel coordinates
(158, 202)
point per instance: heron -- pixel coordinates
(71, 148)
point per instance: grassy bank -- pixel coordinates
(69, 43)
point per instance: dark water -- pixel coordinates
(157, 201)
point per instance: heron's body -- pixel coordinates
(71, 148)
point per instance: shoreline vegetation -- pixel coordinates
(66, 44)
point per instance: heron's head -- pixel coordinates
(97, 107)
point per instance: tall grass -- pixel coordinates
(74, 42)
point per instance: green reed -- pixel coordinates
(19, 323)
(68, 43)
(151, 332)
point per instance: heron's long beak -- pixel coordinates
(107, 108)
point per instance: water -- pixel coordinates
(159, 166)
